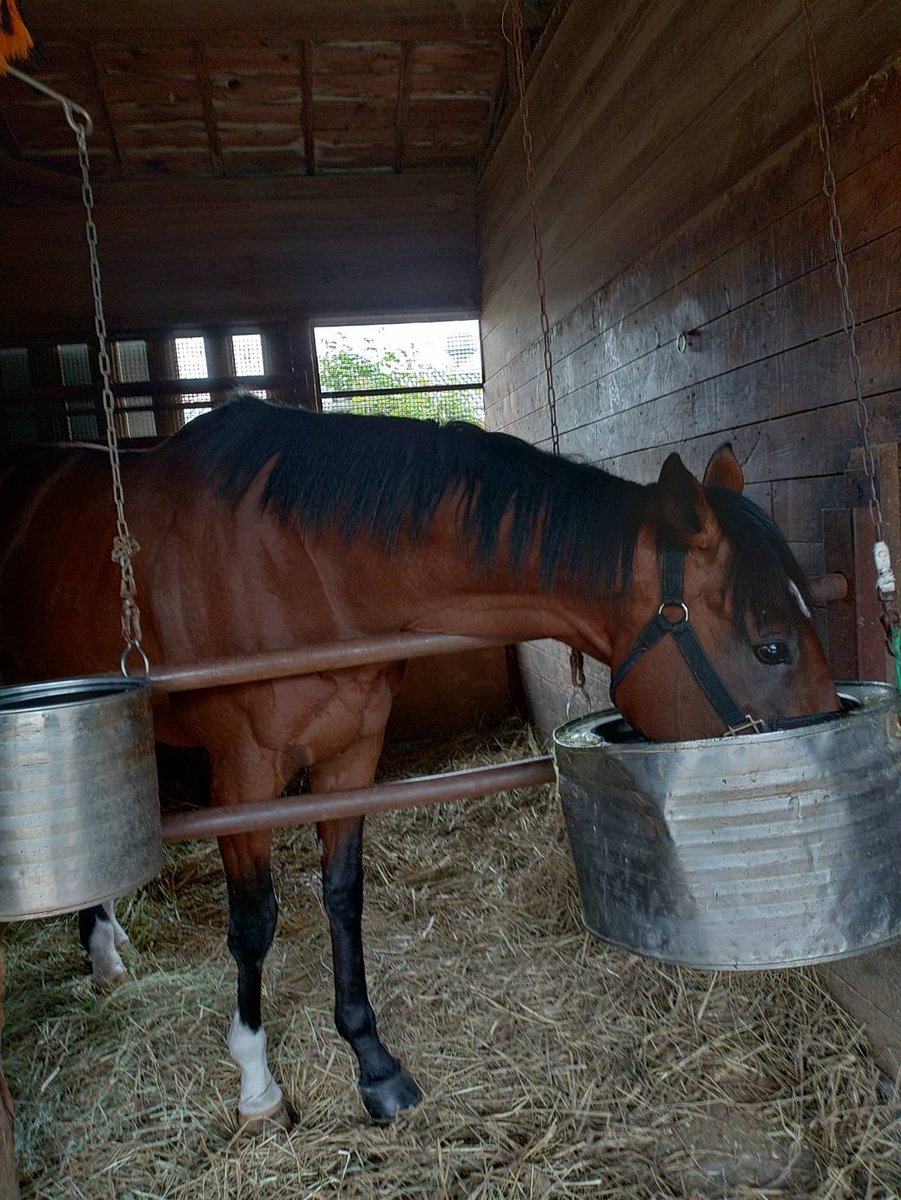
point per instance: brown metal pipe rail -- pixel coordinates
(308, 660)
(359, 652)
(331, 806)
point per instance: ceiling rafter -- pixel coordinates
(209, 109)
(105, 110)
(499, 95)
(402, 115)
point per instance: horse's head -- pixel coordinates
(718, 605)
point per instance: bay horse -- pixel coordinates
(264, 528)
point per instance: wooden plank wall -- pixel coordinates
(182, 252)
(679, 189)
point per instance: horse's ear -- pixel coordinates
(724, 470)
(685, 515)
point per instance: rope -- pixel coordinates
(517, 41)
(125, 547)
(885, 578)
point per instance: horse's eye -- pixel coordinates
(771, 654)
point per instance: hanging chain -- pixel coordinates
(885, 577)
(519, 34)
(125, 547)
(576, 659)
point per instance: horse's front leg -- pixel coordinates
(385, 1087)
(252, 916)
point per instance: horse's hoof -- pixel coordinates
(280, 1116)
(108, 983)
(387, 1097)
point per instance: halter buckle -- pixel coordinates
(749, 725)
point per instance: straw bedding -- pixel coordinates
(552, 1066)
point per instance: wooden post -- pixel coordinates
(9, 1181)
(856, 641)
(161, 365)
(303, 356)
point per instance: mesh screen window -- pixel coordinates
(74, 369)
(130, 360)
(425, 369)
(247, 349)
(15, 375)
(190, 358)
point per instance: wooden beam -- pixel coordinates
(500, 97)
(305, 54)
(106, 112)
(209, 110)
(231, 21)
(19, 173)
(533, 58)
(8, 139)
(404, 86)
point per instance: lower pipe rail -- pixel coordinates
(330, 806)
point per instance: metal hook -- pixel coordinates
(126, 654)
(579, 690)
(77, 117)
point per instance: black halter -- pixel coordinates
(721, 699)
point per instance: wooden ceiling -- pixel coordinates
(222, 88)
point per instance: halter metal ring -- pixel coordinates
(675, 604)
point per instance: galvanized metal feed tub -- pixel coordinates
(79, 805)
(773, 849)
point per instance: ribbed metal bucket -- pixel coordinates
(79, 804)
(774, 849)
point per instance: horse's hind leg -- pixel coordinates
(102, 937)
(385, 1087)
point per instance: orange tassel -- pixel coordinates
(15, 40)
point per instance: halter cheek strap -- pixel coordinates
(721, 699)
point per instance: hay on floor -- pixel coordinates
(552, 1066)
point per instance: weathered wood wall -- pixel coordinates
(679, 184)
(177, 252)
(679, 188)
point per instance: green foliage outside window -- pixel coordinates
(344, 369)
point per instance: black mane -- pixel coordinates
(384, 477)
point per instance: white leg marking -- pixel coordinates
(118, 932)
(793, 588)
(106, 965)
(260, 1093)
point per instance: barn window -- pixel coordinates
(15, 376)
(75, 369)
(130, 362)
(426, 369)
(190, 358)
(247, 350)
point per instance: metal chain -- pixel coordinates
(518, 40)
(886, 586)
(125, 547)
(576, 659)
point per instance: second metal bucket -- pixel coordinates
(79, 804)
(774, 849)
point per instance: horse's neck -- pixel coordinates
(440, 587)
